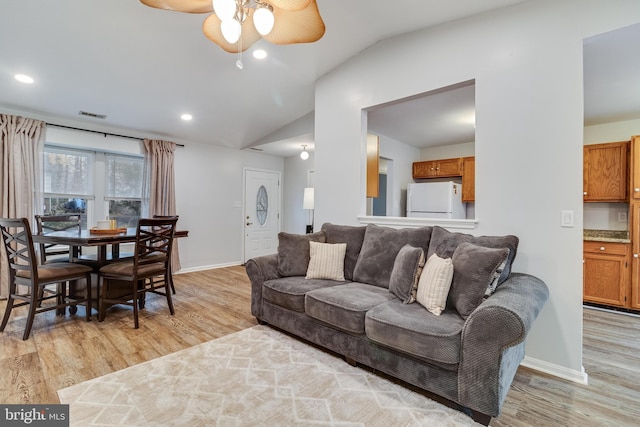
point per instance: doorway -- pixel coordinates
(261, 220)
(380, 202)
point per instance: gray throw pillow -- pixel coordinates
(444, 243)
(380, 248)
(406, 272)
(293, 252)
(474, 268)
(353, 237)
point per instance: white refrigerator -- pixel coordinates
(435, 200)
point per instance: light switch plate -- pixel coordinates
(566, 219)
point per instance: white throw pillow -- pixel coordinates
(327, 261)
(434, 284)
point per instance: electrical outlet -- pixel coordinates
(622, 217)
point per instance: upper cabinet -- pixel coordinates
(635, 168)
(437, 168)
(605, 172)
(464, 167)
(373, 165)
(468, 179)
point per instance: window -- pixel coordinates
(123, 188)
(68, 181)
(94, 184)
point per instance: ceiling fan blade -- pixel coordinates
(249, 35)
(189, 6)
(297, 26)
(289, 4)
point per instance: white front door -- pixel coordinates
(261, 212)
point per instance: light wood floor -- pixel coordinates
(65, 351)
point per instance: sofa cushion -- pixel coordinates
(413, 330)
(326, 261)
(344, 307)
(434, 284)
(444, 243)
(380, 248)
(353, 237)
(407, 267)
(288, 292)
(293, 252)
(474, 268)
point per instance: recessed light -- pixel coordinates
(23, 78)
(259, 53)
(186, 117)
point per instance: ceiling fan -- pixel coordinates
(235, 25)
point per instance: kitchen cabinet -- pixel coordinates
(468, 179)
(635, 258)
(635, 168)
(605, 172)
(437, 168)
(606, 273)
(373, 165)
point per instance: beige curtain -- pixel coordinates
(21, 145)
(159, 186)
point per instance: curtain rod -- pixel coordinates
(101, 133)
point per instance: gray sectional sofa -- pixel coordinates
(368, 313)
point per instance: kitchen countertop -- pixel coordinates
(606, 236)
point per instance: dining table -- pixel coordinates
(101, 239)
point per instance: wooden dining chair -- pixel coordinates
(147, 272)
(50, 252)
(173, 288)
(28, 280)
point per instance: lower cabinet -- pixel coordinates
(607, 273)
(635, 258)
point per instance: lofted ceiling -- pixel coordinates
(143, 67)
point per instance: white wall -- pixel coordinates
(611, 132)
(209, 192)
(467, 149)
(527, 64)
(403, 156)
(296, 172)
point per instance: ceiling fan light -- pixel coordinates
(263, 18)
(225, 9)
(231, 30)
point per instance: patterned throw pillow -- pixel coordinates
(327, 261)
(434, 284)
(406, 272)
(475, 268)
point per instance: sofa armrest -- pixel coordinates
(260, 270)
(493, 341)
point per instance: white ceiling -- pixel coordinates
(144, 67)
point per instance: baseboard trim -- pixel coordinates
(208, 267)
(579, 377)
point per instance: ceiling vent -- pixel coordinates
(95, 116)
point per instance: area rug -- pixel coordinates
(255, 377)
